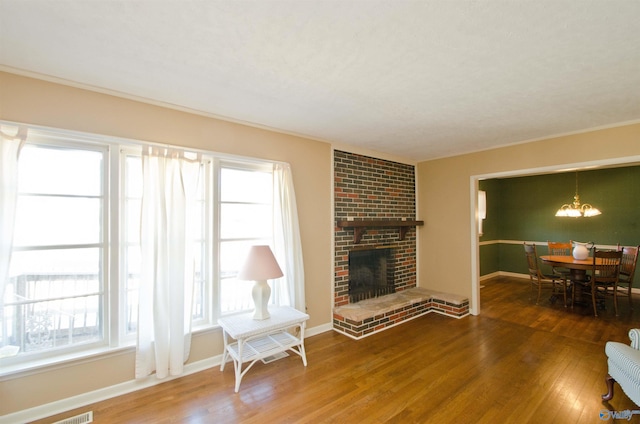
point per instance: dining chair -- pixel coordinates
(560, 248)
(538, 278)
(627, 270)
(605, 271)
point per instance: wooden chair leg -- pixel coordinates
(609, 395)
(564, 291)
(594, 292)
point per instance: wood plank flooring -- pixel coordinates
(516, 362)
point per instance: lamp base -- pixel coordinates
(261, 293)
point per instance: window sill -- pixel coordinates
(23, 369)
(26, 368)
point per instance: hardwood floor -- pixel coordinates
(516, 362)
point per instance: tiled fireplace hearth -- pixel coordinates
(375, 210)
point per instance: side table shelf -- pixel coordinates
(263, 347)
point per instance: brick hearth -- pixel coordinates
(358, 320)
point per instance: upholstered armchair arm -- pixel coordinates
(623, 363)
(634, 335)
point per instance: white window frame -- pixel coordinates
(56, 139)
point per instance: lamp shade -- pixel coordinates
(260, 265)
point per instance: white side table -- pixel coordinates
(258, 339)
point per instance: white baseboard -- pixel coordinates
(488, 276)
(503, 274)
(318, 330)
(57, 407)
(513, 275)
(74, 402)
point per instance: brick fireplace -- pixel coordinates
(367, 188)
(375, 211)
(371, 189)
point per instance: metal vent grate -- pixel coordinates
(87, 417)
(274, 357)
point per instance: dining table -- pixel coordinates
(577, 269)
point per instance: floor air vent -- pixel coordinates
(87, 417)
(274, 357)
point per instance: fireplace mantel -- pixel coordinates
(360, 227)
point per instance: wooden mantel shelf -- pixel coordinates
(360, 227)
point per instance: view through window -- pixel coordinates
(55, 294)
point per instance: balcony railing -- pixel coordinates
(44, 312)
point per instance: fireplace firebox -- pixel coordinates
(371, 273)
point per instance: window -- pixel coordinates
(74, 272)
(55, 296)
(245, 219)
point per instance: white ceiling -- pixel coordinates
(418, 79)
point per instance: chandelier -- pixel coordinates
(575, 209)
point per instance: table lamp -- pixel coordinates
(260, 266)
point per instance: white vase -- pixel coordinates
(581, 251)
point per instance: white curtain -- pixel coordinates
(10, 146)
(170, 181)
(288, 290)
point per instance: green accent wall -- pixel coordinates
(523, 209)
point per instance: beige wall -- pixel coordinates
(444, 195)
(43, 103)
